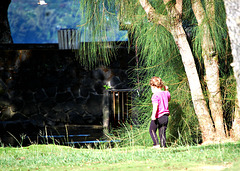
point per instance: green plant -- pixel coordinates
(106, 87)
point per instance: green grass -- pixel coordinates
(55, 157)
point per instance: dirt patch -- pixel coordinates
(214, 168)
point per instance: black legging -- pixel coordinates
(161, 125)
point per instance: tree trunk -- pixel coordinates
(233, 23)
(174, 25)
(5, 33)
(211, 65)
(199, 102)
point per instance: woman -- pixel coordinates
(160, 111)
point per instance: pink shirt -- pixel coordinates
(162, 98)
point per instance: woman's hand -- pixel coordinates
(153, 118)
(166, 88)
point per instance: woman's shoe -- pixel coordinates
(156, 146)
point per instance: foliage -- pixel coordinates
(228, 85)
(98, 25)
(151, 41)
(155, 60)
(158, 55)
(53, 157)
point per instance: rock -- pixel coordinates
(51, 91)
(17, 104)
(5, 100)
(75, 118)
(81, 100)
(98, 86)
(76, 91)
(38, 120)
(94, 104)
(63, 97)
(3, 87)
(7, 113)
(84, 91)
(115, 81)
(15, 128)
(40, 95)
(62, 117)
(57, 117)
(98, 74)
(64, 107)
(30, 109)
(18, 116)
(28, 96)
(46, 106)
(88, 119)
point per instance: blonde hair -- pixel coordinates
(157, 82)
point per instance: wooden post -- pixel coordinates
(121, 106)
(118, 107)
(114, 108)
(127, 104)
(123, 118)
(105, 111)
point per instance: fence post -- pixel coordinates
(120, 106)
(105, 111)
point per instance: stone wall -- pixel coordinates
(48, 87)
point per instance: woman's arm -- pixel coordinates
(166, 89)
(154, 111)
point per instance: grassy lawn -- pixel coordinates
(54, 157)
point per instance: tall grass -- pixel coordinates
(138, 135)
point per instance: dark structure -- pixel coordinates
(47, 95)
(44, 91)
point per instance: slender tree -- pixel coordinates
(233, 23)
(206, 19)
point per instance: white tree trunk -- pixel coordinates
(199, 102)
(233, 23)
(211, 64)
(214, 94)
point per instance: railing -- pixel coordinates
(121, 106)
